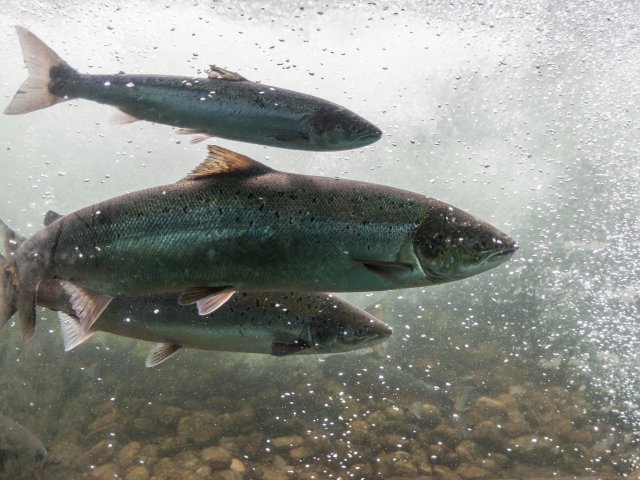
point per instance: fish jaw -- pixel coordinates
(455, 245)
(360, 331)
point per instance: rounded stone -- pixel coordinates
(108, 471)
(137, 473)
(218, 457)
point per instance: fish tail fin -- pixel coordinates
(7, 294)
(72, 332)
(14, 294)
(40, 61)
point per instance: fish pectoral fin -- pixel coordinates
(388, 270)
(224, 74)
(281, 349)
(290, 137)
(200, 135)
(72, 331)
(161, 352)
(123, 118)
(87, 305)
(220, 160)
(208, 299)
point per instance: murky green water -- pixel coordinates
(526, 115)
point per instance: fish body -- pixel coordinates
(275, 323)
(18, 443)
(235, 224)
(224, 104)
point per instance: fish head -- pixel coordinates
(342, 335)
(451, 244)
(340, 129)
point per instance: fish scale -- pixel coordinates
(235, 224)
(223, 104)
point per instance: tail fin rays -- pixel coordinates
(34, 93)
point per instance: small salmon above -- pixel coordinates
(234, 224)
(274, 323)
(224, 104)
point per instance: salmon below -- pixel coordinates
(224, 104)
(235, 224)
(275, 323)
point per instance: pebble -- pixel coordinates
(137, 473)
(218, 457)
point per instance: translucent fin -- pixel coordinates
(200, 135)
(87, 305)
(123, 118)
(211, 304)
(161, 352)
(72, 332)
(34, 93)
(208, 299)
(389, 270)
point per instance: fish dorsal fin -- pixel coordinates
(72, 332)
(161, 352)
(51, 217)
(223, 161)
(224, 74)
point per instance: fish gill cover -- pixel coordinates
(525, 114)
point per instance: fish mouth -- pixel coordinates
(372, 135)
(504, 253)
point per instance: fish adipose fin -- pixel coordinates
(87, 305)
(72, 331)
(208, 299)
(161, 352)
(223, 161)
(39, 59)
(282, 349)
(389, 270)
(224, 74)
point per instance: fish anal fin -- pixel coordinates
(389, 270)
(281, 349)
(87, 305)
(72, 332)
(223, 161)
(161, 352)
(224, 74)
(51, 217)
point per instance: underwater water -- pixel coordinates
(525, 114)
